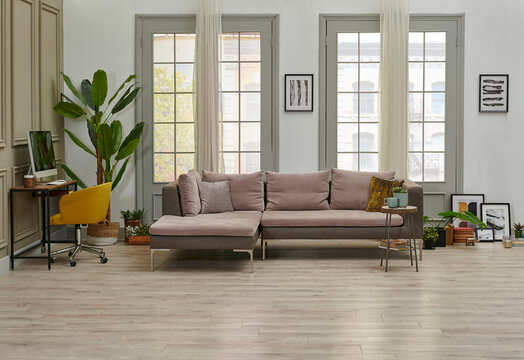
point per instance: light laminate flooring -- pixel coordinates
(308, 300)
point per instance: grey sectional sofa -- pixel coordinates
(316, 205)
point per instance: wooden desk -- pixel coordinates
(45, 192)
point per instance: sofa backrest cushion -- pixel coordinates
(215, 197)
(247, 190)
(189, 194)
(350, 189)
(305, 191)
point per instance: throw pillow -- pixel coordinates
(379, 189)
(189, 195)
(215, 197)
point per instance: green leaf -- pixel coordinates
(73, 176)
(120, 174)
(97, 119)
(104, 137)
(85, 87)
(116, 129)
(125, 100)
(79, 143)
(71, 87)
(131, 141)
(131, 77)
(99, 87)
(69, 110)
(92, 133)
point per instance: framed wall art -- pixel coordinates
(498, 217)
(493, 93)
(466, 202)
(298, 92)
(487, 234)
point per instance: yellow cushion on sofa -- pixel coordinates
(379, 189)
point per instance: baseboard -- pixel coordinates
(4, 265)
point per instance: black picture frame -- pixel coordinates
(494, 222)
(485, 230)
(309, 96)
(478, 199)
(502, 92)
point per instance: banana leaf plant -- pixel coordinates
(104, 130)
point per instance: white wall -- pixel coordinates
(100, 34)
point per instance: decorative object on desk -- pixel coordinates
(110, 152)
(379, 189)
(466, 202)
(461, 234)
(29, 181)
(391, 202)
(138, 235)
(518, 227)
(498, 217)
(298, 92)
(485, 235)
(493, 92)
(132, 218)
(401, 195)
(507, 241)
(471, 242)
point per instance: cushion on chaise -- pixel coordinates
(189, 194)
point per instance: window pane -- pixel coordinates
(435, 76)
(415, 137)
(185, 47)
(250, 107)
(434, 167)
(416, 46)
(231, 163)
(229, 77)
(164, 165)
(229, 47)
(369, 77)
(249, 162)
(347, 107)
(250, 136)
(250, 47)
(250, 76)
(368, 137)
(184, 163)
(434, 106)
(164, 138)
(347, 161)
(163, 48)
(415, 106)
(415, 166)
(434, 137)
(230, 136)
(230, 106)
(435, 46)
(347, 77)
(416, 77)
(184, 108)
(347, 47)
(184, 77)
(185, 138)
(368, 107)
(347, 136)
(368, 162)
(164, 77)
(164, 108)
(370, 47)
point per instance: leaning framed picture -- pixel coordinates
(485, 235)
(493, 93)
(466, 202)
(498, 217)
(298, 92)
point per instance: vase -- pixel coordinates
(518, 234)
(402, 199)
(102, 234)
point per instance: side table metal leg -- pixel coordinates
(388, 219)
(414, 241)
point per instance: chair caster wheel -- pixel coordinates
(53, 260)
(72, 263)
(103, 260)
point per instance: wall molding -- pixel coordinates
(3, 211)
(3, 50)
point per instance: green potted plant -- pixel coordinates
(518, 230)
(401, 195)
(444, 226)
(109, 148)
(138, 235)
(430, 236)
(132, 218)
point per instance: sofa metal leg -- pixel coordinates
(250, 252)
(263, 243)
(153, 251)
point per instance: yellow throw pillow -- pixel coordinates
(379, 189)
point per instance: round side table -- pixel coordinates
(408, 211)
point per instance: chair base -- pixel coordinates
(79, 247)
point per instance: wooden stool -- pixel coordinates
(471, 242)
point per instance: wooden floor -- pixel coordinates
(308, 300)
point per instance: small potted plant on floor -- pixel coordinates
(518, 230)
(430, 235)
(401, 195)
(132, 218)
(138, 235)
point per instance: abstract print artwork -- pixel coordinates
(466, 202)
(299, 92)
(493, 93)
(498, 217)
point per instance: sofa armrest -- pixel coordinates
(416, 198)
(171, 200)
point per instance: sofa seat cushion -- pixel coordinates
(327, 218)
(235, 223)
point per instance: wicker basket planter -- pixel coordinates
(102, 234)
(139, 240)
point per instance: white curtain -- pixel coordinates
(207, 84)
(393, 125)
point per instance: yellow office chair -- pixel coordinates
(87, 206)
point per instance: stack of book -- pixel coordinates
(461, 234)
(394, 245)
